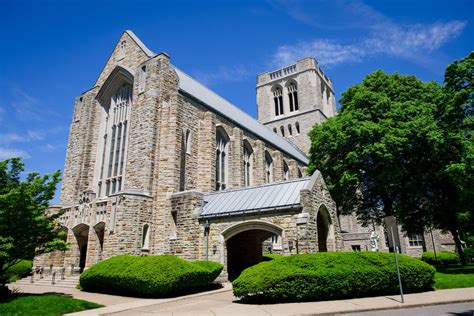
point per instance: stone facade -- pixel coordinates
(315, 98)
(166, 143)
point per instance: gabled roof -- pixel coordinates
(145, 49)
(236, 115)
(269, 197)
(214, 101)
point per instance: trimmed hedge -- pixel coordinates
(150, 276)
(19, 270)
(271, 256)
(468, 254)
(442, 258)
(332, 275)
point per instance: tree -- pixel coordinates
(26, 229)
(456, 116)
(396, 148)
(371, 151)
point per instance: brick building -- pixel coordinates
(158, 163)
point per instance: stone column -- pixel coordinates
(259, 163)
(186, 206)
(293, 166)
(207, 153)
(236, 172)
(277, 165)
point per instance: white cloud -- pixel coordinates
(384, 36)
(388, 39)
(30, 135)
(52, 147)
(29, 108)
(228, 74)
(6, 153)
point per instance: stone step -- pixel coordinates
(70, 282)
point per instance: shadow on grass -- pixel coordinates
(201, 289)
(456, 269)
(15, 295)
(262, 300)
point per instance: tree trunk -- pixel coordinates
(457, 241)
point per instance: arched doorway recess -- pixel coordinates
(244, 244)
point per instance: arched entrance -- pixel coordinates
(81, 232)
(244, 244)
(323, 221)
(99, 229)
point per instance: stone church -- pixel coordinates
(159, 164)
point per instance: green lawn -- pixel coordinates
(43, 305)
(454, 276)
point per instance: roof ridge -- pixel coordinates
(140, 44)
(258, 186)
(298, 154)
(216, 94)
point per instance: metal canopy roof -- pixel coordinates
(273, 196)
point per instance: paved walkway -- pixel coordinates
(222, 302)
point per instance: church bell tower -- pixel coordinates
(292, 99)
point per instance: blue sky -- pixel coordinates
(52, 51)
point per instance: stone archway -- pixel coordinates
(81, 232)
(98, 244)
(323, 222)
(244, 244)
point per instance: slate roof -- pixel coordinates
(268, 197)
(197, 90)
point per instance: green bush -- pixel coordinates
(468, 254)
(19, 270)
(322, 276)
(271, 256)
(442, 258)
(151, 276)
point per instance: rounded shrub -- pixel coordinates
(442, 258)
(271, 256)
(19, 270)
(322, 276)
(150, 276)
(468, 254)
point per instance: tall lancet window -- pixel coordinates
(293, 96)
(185, 150)
(278, 100)
(115, 141)
(268, 167)
(222, 141)
(248, 164)
(286, 171)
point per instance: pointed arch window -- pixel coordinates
(275, 130)
(268, 167)
(282, 129)
(286, 171)
(297, 126)
(122, 50)
(290, 130)
(278, 100)
(293, 96)
(145, 237)
(248, 163)
(115, 139)
(222, 141)
(185, 149)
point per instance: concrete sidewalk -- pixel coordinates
(222, 302)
